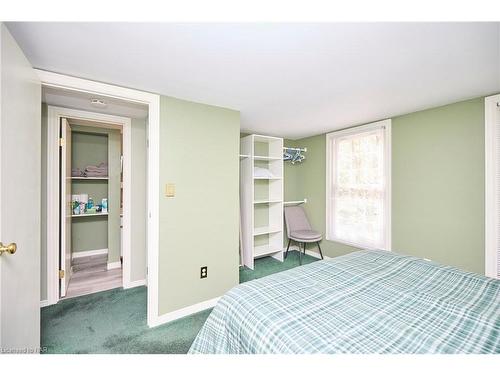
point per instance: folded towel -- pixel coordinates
(76, 172)
(100, 170)
(95, 174)
(90, 169)
(100, 166)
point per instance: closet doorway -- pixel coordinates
(91, 254)
(90, 200)
(72, 97)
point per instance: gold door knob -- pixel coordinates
(10, 248)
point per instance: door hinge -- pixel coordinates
(61, 142)
(61, 274)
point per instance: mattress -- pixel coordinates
(363, 302)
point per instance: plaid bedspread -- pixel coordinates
(363, 302)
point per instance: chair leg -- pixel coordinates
(300, 252)
(300, 255)
(320, 253)
(288, 247)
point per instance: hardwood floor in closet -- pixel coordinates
(90, 275)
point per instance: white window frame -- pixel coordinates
(386, 125)
(492, 150)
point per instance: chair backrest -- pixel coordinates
(296, 219)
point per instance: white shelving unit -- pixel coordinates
(261, 198)
(90, 178)
(88, 215)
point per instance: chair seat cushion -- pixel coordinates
(305, 235)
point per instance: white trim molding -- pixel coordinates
(185, 311)
(492, 181)
(385, 125)
(153, 189)
(44, 303)
(114, 265)
(52, 217)
(54, 114)
(88, 253)
(135, 284)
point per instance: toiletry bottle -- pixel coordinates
(90, 203)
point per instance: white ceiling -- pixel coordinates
(81, 101)
(290, 80)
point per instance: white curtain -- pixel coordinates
(358, 189)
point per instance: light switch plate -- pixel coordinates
(170, 190)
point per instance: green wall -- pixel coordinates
(199, 146)
(437, 185)
(92, 146)
(310, 183)
(139, 200)
(114, 195)
(89, 148)
(291, 176)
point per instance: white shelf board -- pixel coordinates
(90, 178)
(266, 138)
(267, 201)
(286, 203)
(265, 230)
(88, 215)
(267, 157)
(267, 178)
(259, 251)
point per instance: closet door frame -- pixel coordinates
(492, 188)
(54, 117)
(153, 172)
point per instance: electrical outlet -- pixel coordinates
(203, 272)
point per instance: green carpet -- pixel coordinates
(267, 266)
(114, 321)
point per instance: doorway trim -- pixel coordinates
(153, 156)
(492, 157)
(54, 114)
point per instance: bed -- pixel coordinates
(363, 302)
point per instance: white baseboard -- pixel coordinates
(44, 303)
(185, 311)
(114, 265)
(88, 253)
(134, 284)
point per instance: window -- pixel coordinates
(359, 186)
